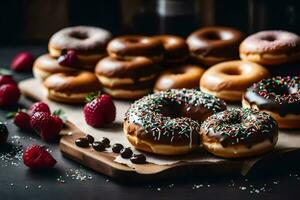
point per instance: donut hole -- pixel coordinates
(132, 40)
(213, 36)
(178, 71)
(232, 71)
(281, 90)
(269, 38)
(172, 110)
(79, 35)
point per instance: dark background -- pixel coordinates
(34, 21)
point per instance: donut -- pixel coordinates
(127, 79)
(238, 132)
(271, 47)
(71, 88)
(168, 122)
(45, 65)
(129, 46)
(211, 45)
(184, 76)
(277, 96)
(228, 80)
(176, 49)
(88, 42)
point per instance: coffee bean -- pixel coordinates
(117, 147)
(106, 141)
(126, 152)
(98, 146)
(82, 142)
(90, 138)
(138, 159)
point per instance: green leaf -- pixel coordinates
(10, 115)
(5, 72)
(13, 114)
(61, 114)
(90, 97)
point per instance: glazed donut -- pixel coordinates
(88, 42)
(45, 66)
(271, 47)
(129, 46)
(184, 76)
(237, 133)
(71, 88)
(127, 79)
(212, 45)
(277, 96)
(228, 80)
(176, 49)
(168, 122)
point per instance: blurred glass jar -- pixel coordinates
(149, 17)
(181, 17)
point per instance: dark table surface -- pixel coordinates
(69, 180)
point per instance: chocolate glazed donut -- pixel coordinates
(176, 49)
(239, 132)
(71, 88)
(127, 79)
(212, 45)
(168, 122)
(277, 96)
(129, 46)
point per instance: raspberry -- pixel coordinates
(6, 79)
(38, 107)
(22, 120)
(9, 94)
(23, 61)
(36, 157)
(3, 133)
(69, 59)
(100, 111)
(46, 125)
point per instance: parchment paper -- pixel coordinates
(289, 140)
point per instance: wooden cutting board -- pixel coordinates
(198, 163)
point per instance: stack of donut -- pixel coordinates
(177, 72)
(132, 66)
(67, 70)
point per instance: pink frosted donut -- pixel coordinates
(271, 47)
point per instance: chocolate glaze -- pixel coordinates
(175, 47)
(75, 82)
(134, 45)
(240, 126)
(268, 95)
(133, 86)
(171, 117)
(134, 68)
(215, 41)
